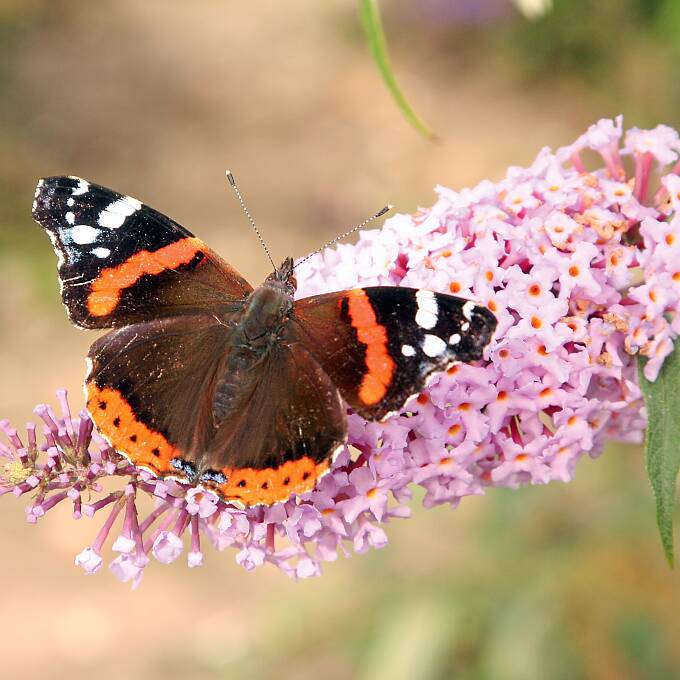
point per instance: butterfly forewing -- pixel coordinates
(121, 261)
(379, 344)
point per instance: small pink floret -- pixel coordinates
(89, 560)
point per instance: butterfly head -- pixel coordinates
(282, 277)
(270, 304)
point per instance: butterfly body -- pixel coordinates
(204, 378)
(255, 331)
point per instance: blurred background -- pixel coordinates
(156, 99)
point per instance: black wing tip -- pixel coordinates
(42, 198)
(52, 193)
(484, 324)
(57, 181)
(71, 180)
(490, 321)
(71, 183)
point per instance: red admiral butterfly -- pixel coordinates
(213, 382)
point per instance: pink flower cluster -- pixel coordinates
(578, 256)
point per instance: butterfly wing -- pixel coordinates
(151, 392)
(121, 262)
(150, 385)
(379, 344)
(281, 436)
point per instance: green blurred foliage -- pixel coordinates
(625, 50)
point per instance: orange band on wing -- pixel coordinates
(108, 286)
(118, 424)
(379, 363)
(250, 486)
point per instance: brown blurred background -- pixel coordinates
(156, 99)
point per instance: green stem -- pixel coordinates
(375, 35)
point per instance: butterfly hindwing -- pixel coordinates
(121, 261)
(379, 344)
(281, 438)
(151, 392)
(149, 387)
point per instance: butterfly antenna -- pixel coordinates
(232, 182)
(380, 213)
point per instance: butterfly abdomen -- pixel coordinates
(254, 335)
(235, 383)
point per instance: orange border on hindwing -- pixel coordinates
(144, 447)
(250, 486)
(118, 423)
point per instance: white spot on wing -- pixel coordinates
(114, 215)
(101, 252)
(426, 316)
(454, 339)
(71, 201)
(84, 234)
(70, 218)
(82, 187)
(433, 345)
(467, 309)
(408, 351)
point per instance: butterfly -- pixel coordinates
(207, 380)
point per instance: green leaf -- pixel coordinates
(370, 19)
(662, 442)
